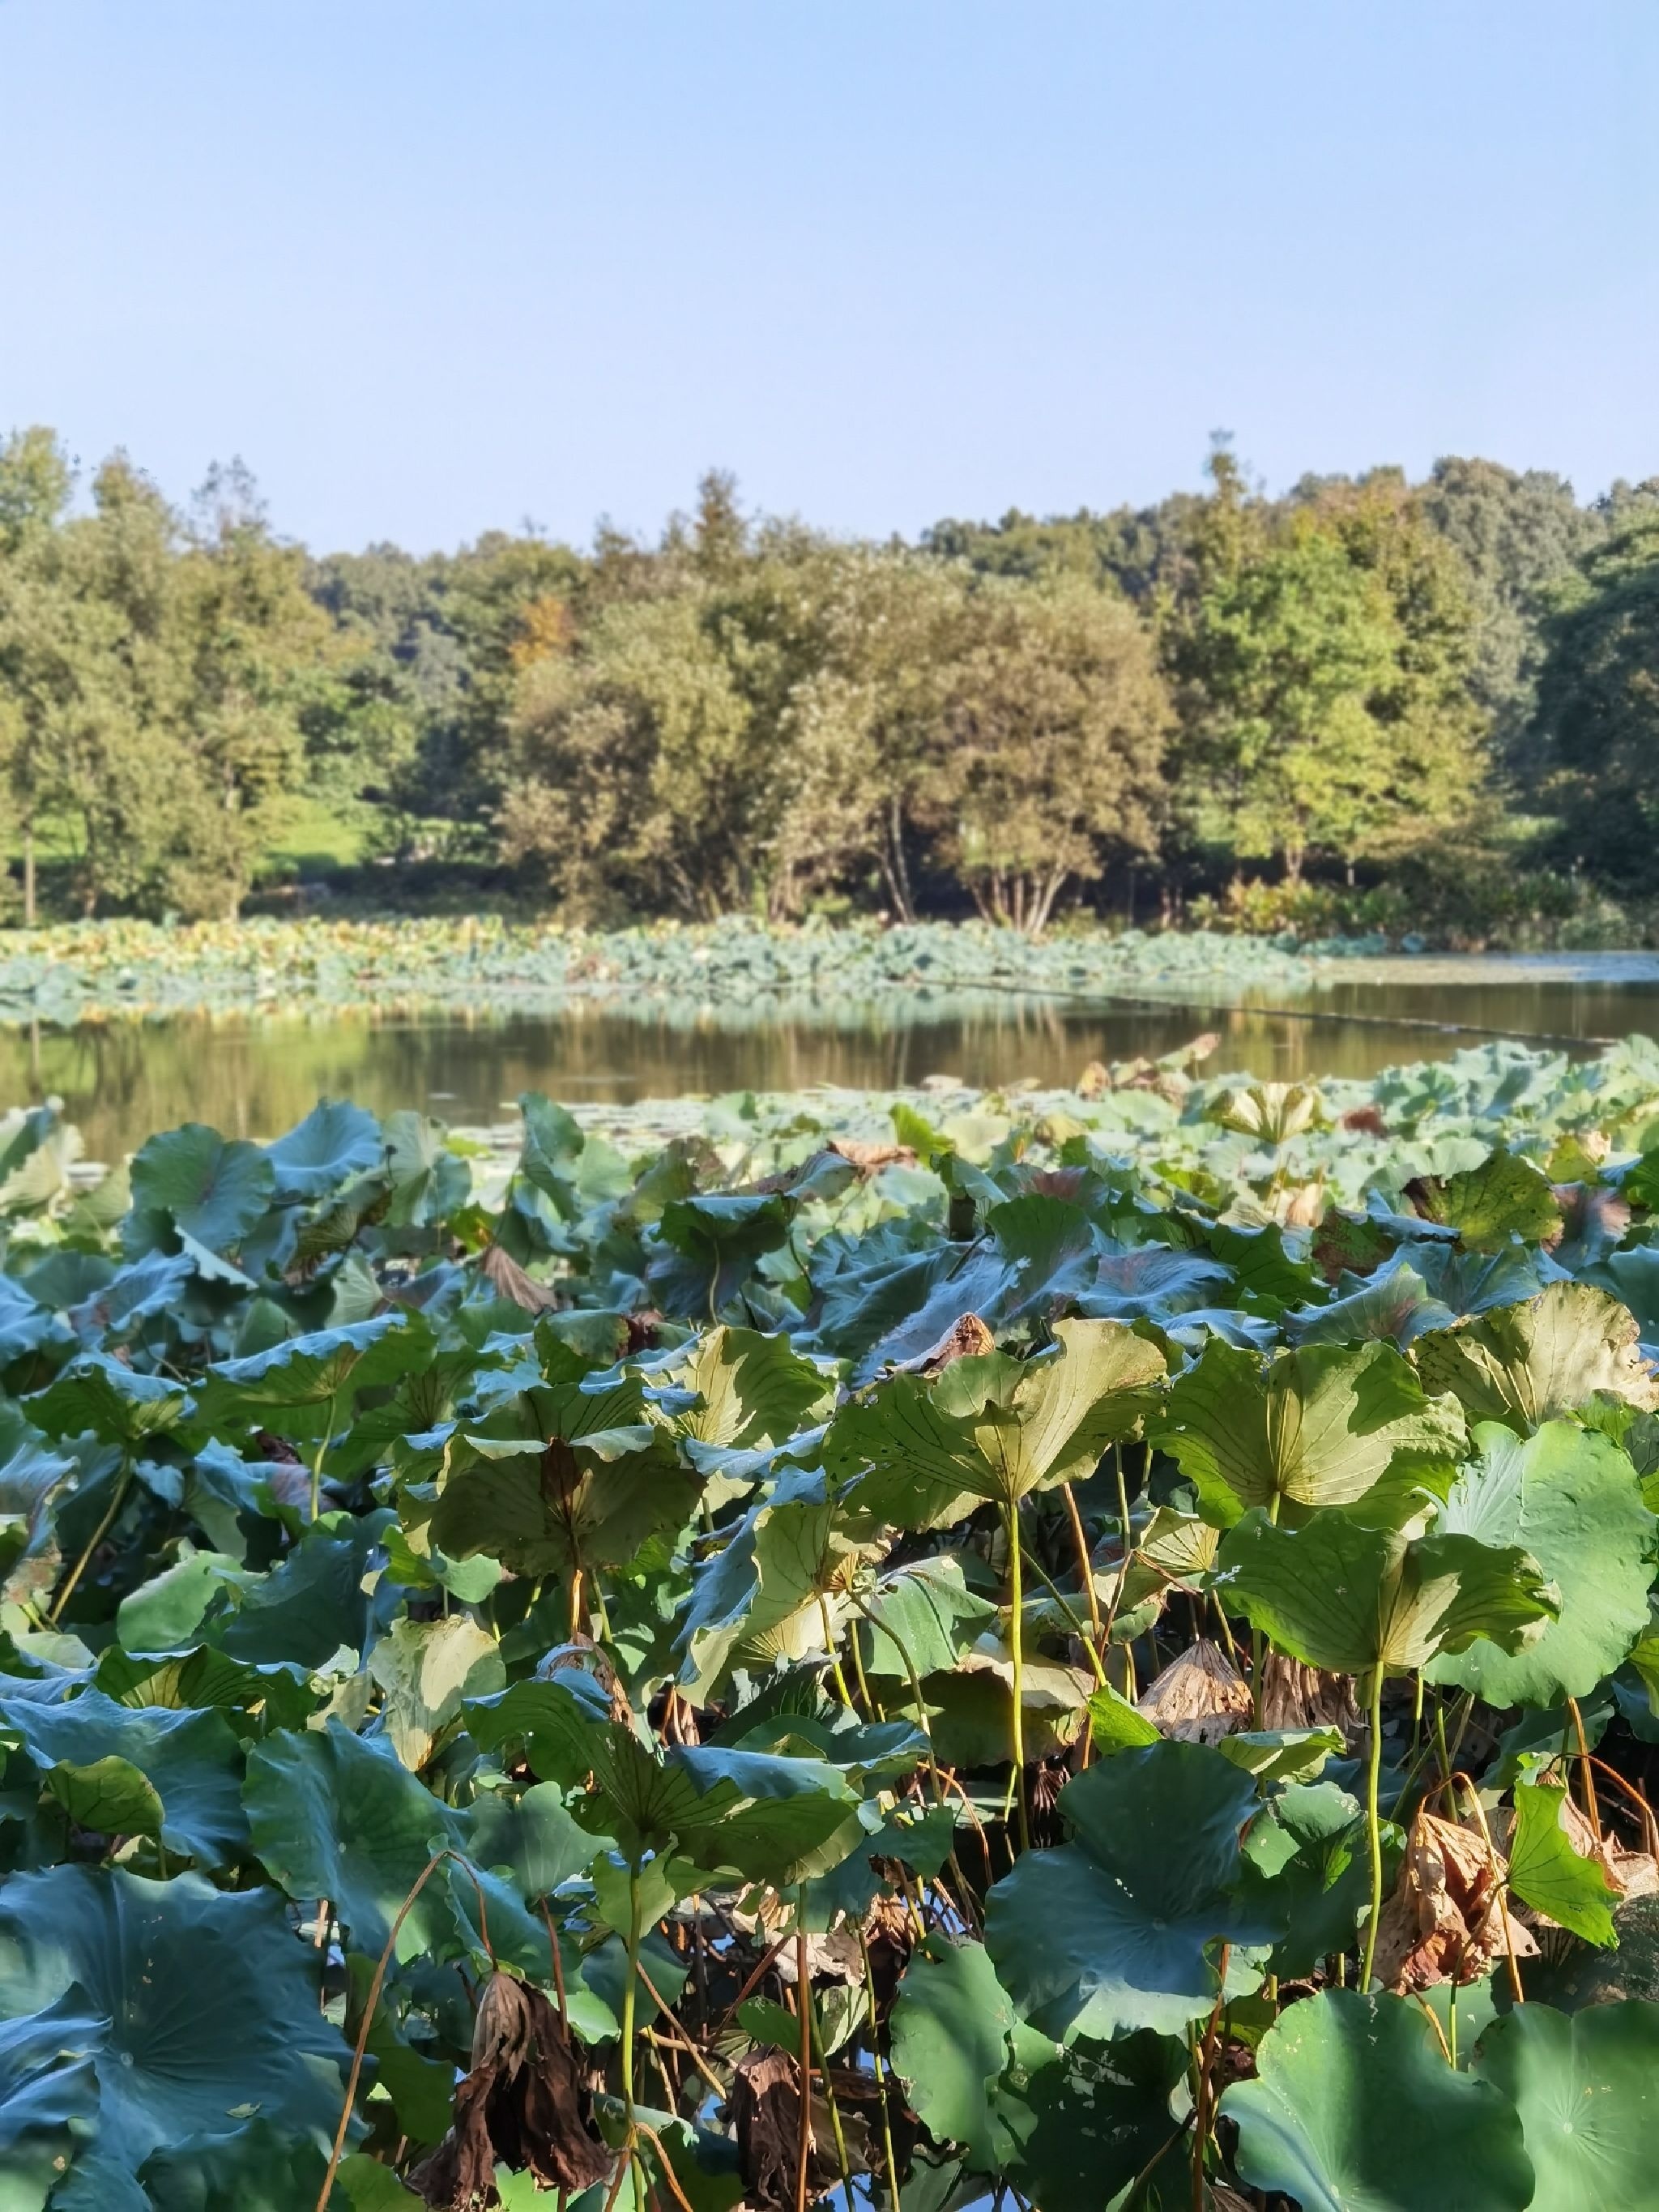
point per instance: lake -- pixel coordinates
(120, 1080)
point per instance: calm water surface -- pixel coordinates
(255, 1078)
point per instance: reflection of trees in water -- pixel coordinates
(122, 1079)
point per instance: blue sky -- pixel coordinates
(431, 268)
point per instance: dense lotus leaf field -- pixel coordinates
(81, 971)
(1090, 1648)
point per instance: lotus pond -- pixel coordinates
(896, 1649)
(252, 1072)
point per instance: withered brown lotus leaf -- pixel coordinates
(1295, 1696)
(510, 1281)
(1200, 1696)
(1445, 1920)
(765, 2106)
(524, 2104)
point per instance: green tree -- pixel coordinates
(1598, 709)
(1520, 535)
(640, 776)
(1323, 651)
(847, 651)
(96, 765)
(1053, 735)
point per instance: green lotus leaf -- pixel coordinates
(1119, 1928)
(1394, 1304)
(917, 1463)
(532, 1840)
(1115, 1724)
(422, 2088)
(1504, 1201)
(370, 2187)
(309, 1605)
(202, 2006)
(332, 1815)
(25, 1325)
(849, 1889)
(430, 1182)
(335, 1141)
(781, 1820)
(1097, 2117)
(750, 1390)
(594, 1501)
(278, 1695)
(885, 1302)
(424, 1669)
(1632, 1277)
(188, 1766)
(263, 2169)
(153, 1284)
(1573, 1501)
(712, 1244)
(48, 2098)
(1320, 1427)
(30, 1474)
(1308, 1847)
(921, 1618)
(970, 1706)
(1548, 1873)
(1527, 1364)
(211, 1189)
(108, 1796)
(1584, 2086)
(953, 2030)
(164, 1613)
(98, 2184)
(1339, 1596)
(996, 1428)
(562, 1724)
(1354, 2105)
(764, 1594)
(101, 1394)
(1150, 1282)
(313, 1370)
(1049, 1419)
(551, 1149)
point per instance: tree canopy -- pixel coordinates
(1345, 684)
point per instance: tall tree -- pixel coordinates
(1521, 535)
(1598, 710)
(1324, 650)
(1054, 721)
(638, 774)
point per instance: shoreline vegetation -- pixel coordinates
(75, 972)
(1365, 707)
(963, 1640)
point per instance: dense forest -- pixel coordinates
(1367, 703)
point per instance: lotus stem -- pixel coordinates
(1015, 1650)
(630, 1991)
(804, 1995)
(123, 1484)
(1085, 1563)
(1078, 1629)
(1586, 1766)
(1373, 1823)
(376, 1984)
(322, 1454)
(880, 2066)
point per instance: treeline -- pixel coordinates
(1367, 700)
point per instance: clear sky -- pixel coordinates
(433, 266)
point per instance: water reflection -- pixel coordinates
(255, 1077)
